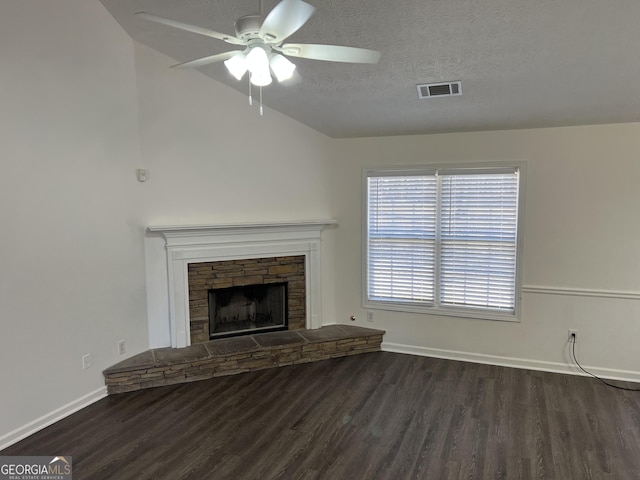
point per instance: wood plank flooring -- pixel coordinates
(374, 416)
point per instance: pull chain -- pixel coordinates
(250, 97)
(261, 109)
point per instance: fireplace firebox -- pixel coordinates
(247, 309)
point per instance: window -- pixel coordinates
(443, 240)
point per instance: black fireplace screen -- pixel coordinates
(247, 309)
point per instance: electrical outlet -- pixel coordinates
(122, 347)
(573, 336)
(86, 361)
(370, 317)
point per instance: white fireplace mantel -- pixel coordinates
(187, 244)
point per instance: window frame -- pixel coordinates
(444, 310)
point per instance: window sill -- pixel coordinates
(470, 313)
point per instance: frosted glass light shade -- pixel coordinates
(282, 67)
(237, 65)
(261, 79)
(258, 65)
(257, 60)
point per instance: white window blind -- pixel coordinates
(446, 239)
(478, 240)
(402, 218)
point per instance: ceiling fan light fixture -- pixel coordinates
(282, 67)
(237, 65)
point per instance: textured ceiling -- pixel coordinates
(522, 63)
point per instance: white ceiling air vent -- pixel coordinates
(446, 89)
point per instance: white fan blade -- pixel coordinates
(285, 19)
(330, 53)
(191, 28)
(199, 62)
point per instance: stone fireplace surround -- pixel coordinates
(193, 244)
(205, 276)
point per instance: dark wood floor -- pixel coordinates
(373, 416)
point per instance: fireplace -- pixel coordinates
(192, 247)
(247, 309)
(227, 297)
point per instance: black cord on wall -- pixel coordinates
(573, 352)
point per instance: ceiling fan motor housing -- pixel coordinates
(248, 27)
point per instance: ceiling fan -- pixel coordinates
(264, 51)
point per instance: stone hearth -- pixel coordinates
(229, 356)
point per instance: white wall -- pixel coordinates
(71, 248)
(581, 233)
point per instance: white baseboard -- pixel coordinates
(555, 367)
(51, 417)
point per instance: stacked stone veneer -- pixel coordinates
(206, 276)
(229, 356)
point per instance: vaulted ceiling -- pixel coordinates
(522, 63)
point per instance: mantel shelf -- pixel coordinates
(205, 229)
